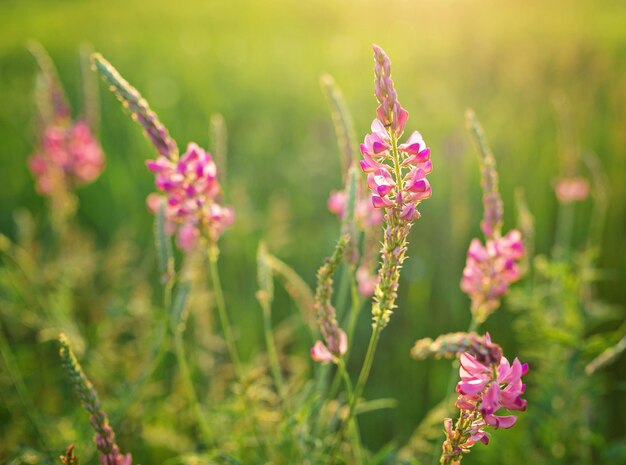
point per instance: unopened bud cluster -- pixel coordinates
(452, 344)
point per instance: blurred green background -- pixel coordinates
(258, 63)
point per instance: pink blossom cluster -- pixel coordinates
(490, 269)
(69, 155)
(192, 197)
(484, 389)
(396, 174)
(488, 388)
(570, 190)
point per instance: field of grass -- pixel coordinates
(258, 64)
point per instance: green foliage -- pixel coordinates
(258, 66)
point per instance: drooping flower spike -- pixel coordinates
(187, 184)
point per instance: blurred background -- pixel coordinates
(258, 64)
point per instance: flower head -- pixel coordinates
(396, 173)
(69, 155)
(192, 194)
(571, 189)
(489, 270)
(484, 389)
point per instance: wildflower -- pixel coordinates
(69, 155)
(396, 177)
(490, 269)
(572, 189)
(484, 389)
(192, 194)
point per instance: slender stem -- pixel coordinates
(564, 228)
(356, 435)
(352, 318)
(354, 312)
(185, 374)
(223, 315)
(272, 353)
(360, 384)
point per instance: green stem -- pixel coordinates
(185, 374)
(272, 353)
(360, 384)
(564, 228)
(223, 315)
(352, 319)
(356, 435)
(354, 312)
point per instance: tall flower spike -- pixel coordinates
(484, 389)
(189, 184)
(138, 107)
(396, 176)
(335, 340)
(491, 224)
(105, 437)
(67, 153)
(490, 268)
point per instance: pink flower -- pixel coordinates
(336, 345)
(490, 388)
(570, 190)
(69, 156)
(191, 191)
(396, 172)
(490, 269)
